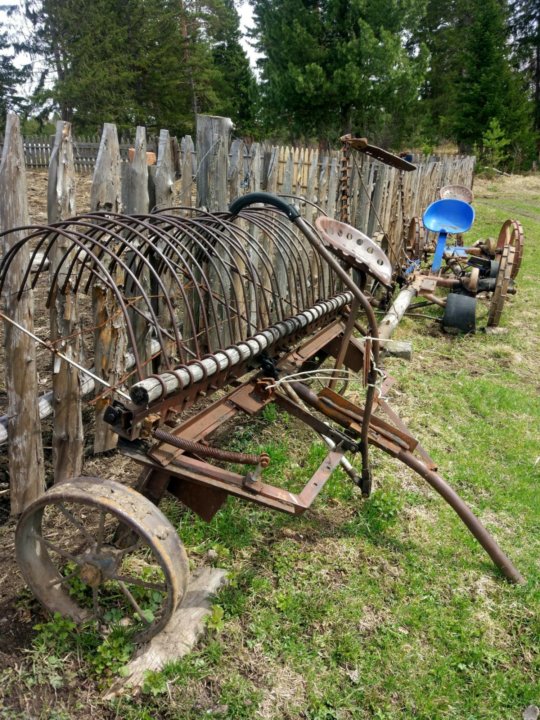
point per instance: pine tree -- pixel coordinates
(332, 66)
(525, 27)
(11, 77)
(147, 62)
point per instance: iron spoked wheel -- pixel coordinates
(67, 553)
(502, 285)
(416, 238)
(512, 234)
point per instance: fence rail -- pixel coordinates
(209, 174)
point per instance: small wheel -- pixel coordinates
(460, 313)
(502, 285)
(68, 554)
(416, 238)
(512, 234)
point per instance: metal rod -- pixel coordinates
(64, 357)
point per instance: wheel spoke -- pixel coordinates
(124, 551)
(133, 602)
(101, 530)
(140, 583)
(78, 524)
(62, 578)
(55, 548)
(95, 604)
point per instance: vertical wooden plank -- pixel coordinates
(165, 172)
(136, 201)
(135, 181)
(333, 185)
(212, 158)
(213, 135)
(25, 451)
(68, 431)
(188, 155)
(322, 185)
(288, 173)
(235, 174)
(110, 341)
(272, 172)
(164, 197)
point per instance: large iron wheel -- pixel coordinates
(512, 234)
(69, 554)
(502, 285)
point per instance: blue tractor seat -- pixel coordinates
(448, 216)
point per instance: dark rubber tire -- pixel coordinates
(460, 313)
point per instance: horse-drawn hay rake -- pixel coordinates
(250, 305)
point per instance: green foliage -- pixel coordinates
(332, 67)
(215, 620)
(495, 146)
(472, 81)
(140, 62)
(113, 653)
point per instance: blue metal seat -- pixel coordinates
(444, 217)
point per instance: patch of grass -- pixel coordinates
(383, 608)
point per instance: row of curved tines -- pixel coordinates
(200, 281)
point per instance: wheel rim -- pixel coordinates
(502, 284)
(68, 553)
(512, 234)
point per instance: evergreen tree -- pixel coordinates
(332, 66)
(148, 62)
(525, 27)
(11, 77)
(239, 92)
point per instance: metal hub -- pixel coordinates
(91, 575)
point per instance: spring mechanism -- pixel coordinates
(211, 452)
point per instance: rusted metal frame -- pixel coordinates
(347, 334)
(274, 216)
(282, 238)
(320, 478)
(205, 474)
(215, 453)
(233, 268)
(266, 261)
(322, 341)
(320, 427)
(99, 267)
(180, 242)
(209, 245)
(373, 328)
(146, 259)
(184, 397)
(74, 237)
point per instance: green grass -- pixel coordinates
(384, 608)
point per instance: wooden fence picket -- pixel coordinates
(25, 449)
(68, 430)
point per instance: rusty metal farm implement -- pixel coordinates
(253, 306)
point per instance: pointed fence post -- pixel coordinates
(68, 432)
(25, 449)
(110, 341)
(213, 135)
(164, 186)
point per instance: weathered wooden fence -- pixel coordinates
(209, 175)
